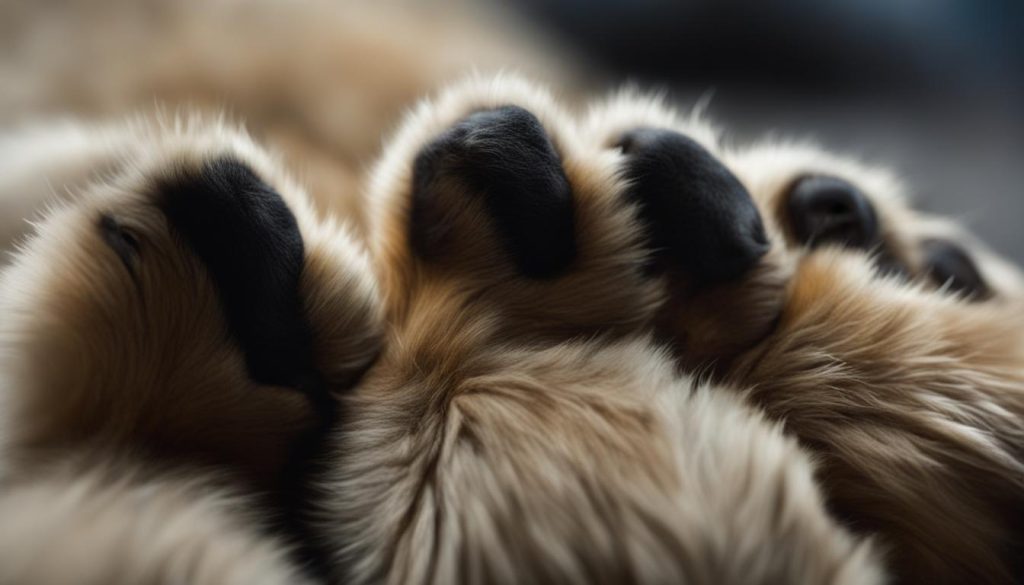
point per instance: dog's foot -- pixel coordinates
(813, 199)
(568, 231)
(189, 306)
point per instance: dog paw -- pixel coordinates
(492, 192)
(487, 195)
(725, 275)
(814, 199)
(503, 161)
(700, 219)
(189, 305)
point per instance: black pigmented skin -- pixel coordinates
(950, 266)
(248, 241)
(828, 210)
(701, 218)
(503, 155)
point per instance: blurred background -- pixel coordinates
(932, 88)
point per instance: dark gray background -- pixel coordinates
(933, 88)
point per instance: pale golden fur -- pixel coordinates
(119, 525)
(453, 352)
(325, 131)
(770, 167)
(74, 383)
(914, 401)
(708, 325)
(468, 365)
(912, 396)
(92, 358)
(486, 445)
(40, 163)
(578, 463)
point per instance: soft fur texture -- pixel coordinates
(512, 429)
(110, 348)
(486, 445)
(770, 168)
(911, 395)
(914, 401)
(119, 525)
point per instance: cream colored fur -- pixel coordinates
(911, 397)
(768, 168)
(913, 401)
(92, 357)
(119, 525)
(510, 431)
(486, 446)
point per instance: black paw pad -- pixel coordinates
(505, 157)
(701, 218)
(827, 210)
(947, 265)
(247, 239)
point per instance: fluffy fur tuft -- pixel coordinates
(521, 427)
(114, 334)
(119, 525)
(486, 446)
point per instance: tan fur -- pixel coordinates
(621, 402)
(913, 398)
(119, 525)
(710, 325)
(914, 401)
(485, 447)
(582, 463)
(943, 403)
(769, 168)
(94, 359)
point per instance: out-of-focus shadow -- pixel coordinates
(934, 88)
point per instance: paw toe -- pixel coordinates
(504, 157)
(700, 216)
